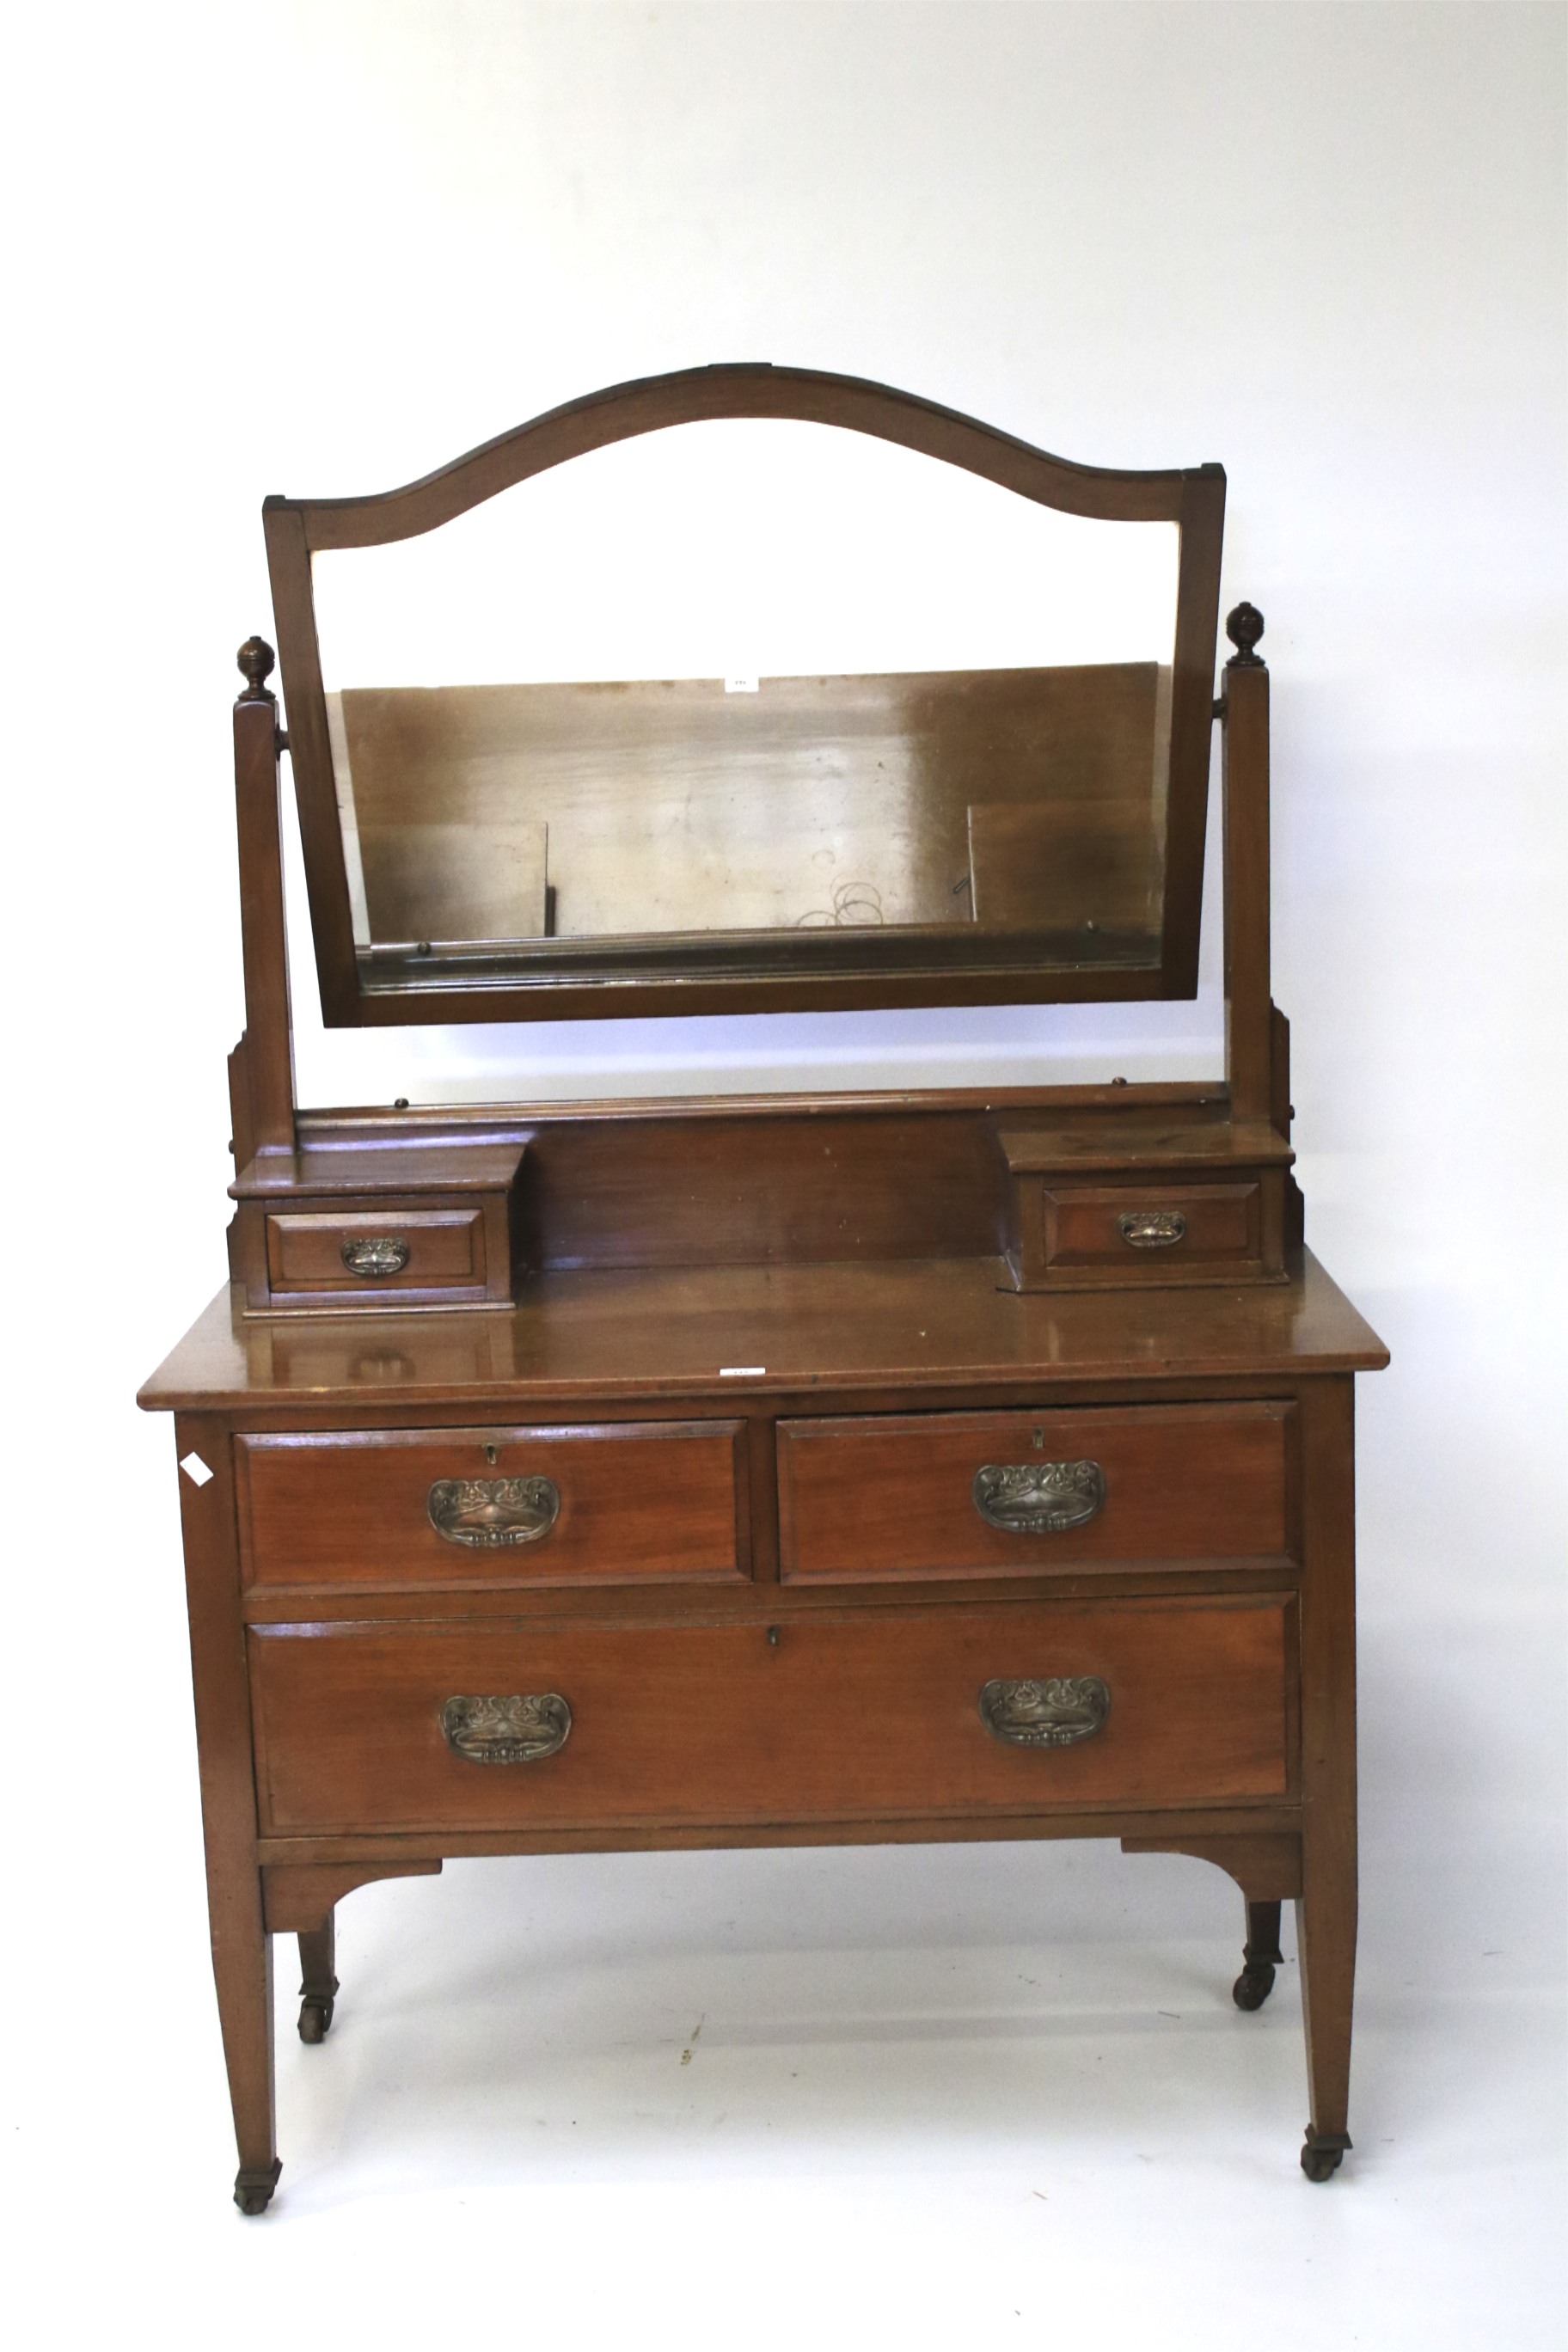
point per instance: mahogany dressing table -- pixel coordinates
(770, 1470)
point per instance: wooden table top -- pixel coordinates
(720, 1333)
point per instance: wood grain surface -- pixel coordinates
(305, 1251)
(840, 1716)
(927, 1326)
(892, 1494)
(636, 1501)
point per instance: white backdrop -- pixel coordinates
(322, 247)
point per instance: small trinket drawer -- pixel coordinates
(333, 1232)
(1199, 1205)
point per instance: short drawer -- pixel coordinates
(1017, 1494)
(1151, 1225)
(1154, 1232)
(424, 1249)
(615, 1503)
(837, 1716)
(404, 1226)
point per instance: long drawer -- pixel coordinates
(617, 1501)
(841, 1715)
(1000, 1494)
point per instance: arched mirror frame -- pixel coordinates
(661, 977)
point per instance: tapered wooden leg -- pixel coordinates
(1260, 1957)
(1326, 1907)
(319, 1984)
(242, 1968)
(241, 1946)
(1325, 1937)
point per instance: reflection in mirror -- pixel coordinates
(753, 676)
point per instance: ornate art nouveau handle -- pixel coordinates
(486, 1512)
(375, 1254)
(517, 1730)
(1038, 1499)
(1050, 1714)
(1150, 1228)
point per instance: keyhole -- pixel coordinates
(772, 1637)
(1038, 1440)
(491, 1456)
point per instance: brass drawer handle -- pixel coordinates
(1050, 1714)
(486, 1512)
(375, 1255)
(1038, 1499)
(1150, 1228)
(517, 1730)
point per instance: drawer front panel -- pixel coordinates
(620, 1502)
(340, 1249)
(1164, 1229)
(1153, 1227)
(894, 1496)
(845, 1715)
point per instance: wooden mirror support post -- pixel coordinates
(855, 1468)
(262, 1067)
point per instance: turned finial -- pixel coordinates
(256, 658)
(1244, 627)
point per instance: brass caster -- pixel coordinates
(316, 2008)
(253, 2191)
(315, 2018)
(1323, 2154)
(1254, 1985)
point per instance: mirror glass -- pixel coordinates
(753, 682)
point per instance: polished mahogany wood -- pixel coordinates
(791, 1178)
(452, 1214)
(1245, 770)
(892, 1494)
(1326, 1908)
(301, 1894)
(1122, 1134)
(637, 1502)
(310, 757)
(1221, 1226)
(414, 1163)
(742, 388)
(266, 1074)
(404, 1853)
(924, 1328)
(831, 1186)
(1065, 1236)
(241, 1947)
(875, 972)
(1219, 1223)
(1265, 1864)
(759, 1347)
(1221, 1177)
(785, 1179)
(446, 1248)
(838, 1715)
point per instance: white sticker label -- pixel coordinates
(196, 1470)
(741, 1372)
(741, 684)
